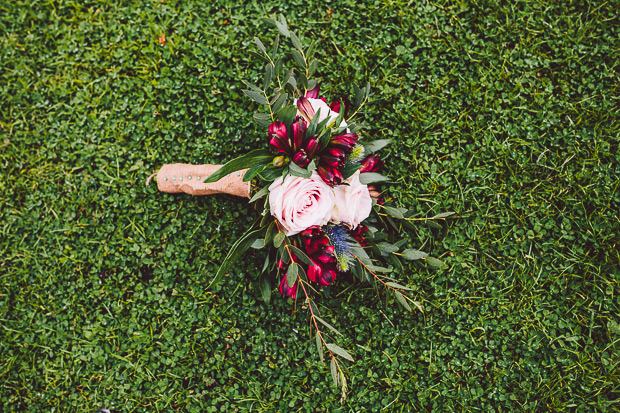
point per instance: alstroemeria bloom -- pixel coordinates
(293, 141)
(371, 163)
(323, 268)
(299, 203)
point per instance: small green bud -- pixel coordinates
(278, 161)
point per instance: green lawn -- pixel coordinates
(507, 113)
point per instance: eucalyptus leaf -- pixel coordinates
(326, 324)
(298, 59)
(444, 215)
(412, 255)
(435, 262)
(276, 44)
(376, 145)
(287, 115)
(319, 347)
(387, 247)
(398, 286)
(260, 45)
(339, 350)
(401, 299)
(291, 274)
(334, 370)
(393, 211)
(296, 42)
(278, 239)
(301, 255)
(256, 97)
(371, 177)
(258, 244)
(279, 103)
(283, 29)
(268, 76)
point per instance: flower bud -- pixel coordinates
(278, 161)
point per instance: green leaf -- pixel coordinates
(387, 248)
(258, 56)
(271, 232)
(401, 299)
(287, 114)
(313, 123)
(371, 177)
(288, 75)
(298, 59)
(398, 286)
(283, 29)
(350, 169)
(339, 350)
(326, 324)
(296, 42)
(301, 255)
(278, 239)
(268, 76)
(334, 371)
(291, 274)
(279, 103)
(376, 145)
(253, 87)
(256, 97)
(252, 172)
(359, 96)
(312, 305)
(314, 64)
(434, 262)
(297, 171)
(276, 44)
(265, 287)
(393, 211)
(444, 215)
(258, 244)
(263, 119)
(412, 255)
(375, 268)
(260, 45)
(311, 166)
(263, 191)
(319, 347)
(302, 81)
(249, 160)
(238, 248)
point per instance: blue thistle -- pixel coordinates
(339, 237)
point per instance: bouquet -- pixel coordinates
(319, 181)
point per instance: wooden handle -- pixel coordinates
(179, 177)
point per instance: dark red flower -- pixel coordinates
(313, 93)
(358, 234)
(372, 163)
(305, 108)
(311, 145)
(333, 157)
(323, 268)
(331, 176)
(286, 290)
(343, 141)
(301, 158)
(278, 137)
(337, 104)
(299, 127)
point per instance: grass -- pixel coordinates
(506, 113)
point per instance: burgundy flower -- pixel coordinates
(299, 127)
(372, 163)
(305, 108)
(278, 137)
(323, 268)
(333, 157)
(343, 141)
(313, 93)
(312, 144)
(336, 105)
(331, 176)
(301, 159)
(358, 234)
(286, 290)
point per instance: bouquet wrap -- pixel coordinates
(179, 177)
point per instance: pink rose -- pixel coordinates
(353, 202)
(299, 203)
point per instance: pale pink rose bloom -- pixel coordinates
(325, 111)
(353, 202)
(299, 203)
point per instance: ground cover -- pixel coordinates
(506, 113)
